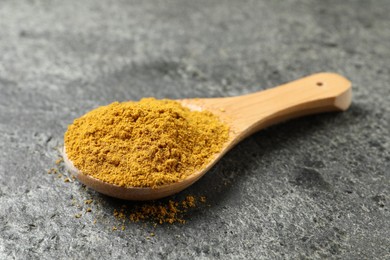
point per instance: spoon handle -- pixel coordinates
(322, 92)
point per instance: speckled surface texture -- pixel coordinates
(316, 187)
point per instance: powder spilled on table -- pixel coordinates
(158, 212)
(173, 211)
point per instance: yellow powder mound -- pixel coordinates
(144, 144)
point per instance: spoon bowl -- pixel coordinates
(318, 93)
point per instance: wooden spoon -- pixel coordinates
(245, 115)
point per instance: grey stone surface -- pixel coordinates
(316, 187)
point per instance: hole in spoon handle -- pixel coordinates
(322, 92)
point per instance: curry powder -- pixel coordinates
(148, 143)
(158, 212)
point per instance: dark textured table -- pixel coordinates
(314, 187)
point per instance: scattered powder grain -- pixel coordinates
(119, 214)
(189, 202)
(88, 201)
(144, 144)
(52, 170)
(158, 212)
(59, 161)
